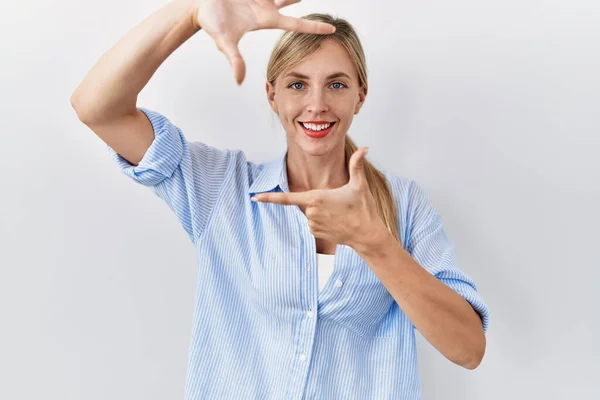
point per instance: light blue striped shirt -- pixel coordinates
(261, 328)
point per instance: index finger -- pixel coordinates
(304, 25)
(286, 199)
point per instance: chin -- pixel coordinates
(319, 147)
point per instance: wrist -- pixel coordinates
(191, 12)
(372, 240)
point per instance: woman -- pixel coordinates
(315, 267)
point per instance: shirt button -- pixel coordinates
(309, 314)
(338, 283)
(302, 357)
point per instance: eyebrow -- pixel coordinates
(332, 76)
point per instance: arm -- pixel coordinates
(106, 99)
(440, 314)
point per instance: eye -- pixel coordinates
(293, 85)
(341, 85)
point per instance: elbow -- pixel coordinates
(75, 102)
(91, 110)
(473, 359)
(473, 363)
(77, 105)
(87, 108)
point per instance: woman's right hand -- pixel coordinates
(226, 21)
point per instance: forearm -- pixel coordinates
(111, 87)
(440, 314)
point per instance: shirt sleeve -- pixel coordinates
(430, 246)
(188, 176)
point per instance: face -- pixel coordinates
(317, 99)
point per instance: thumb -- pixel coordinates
(356, 165)
(231, 51)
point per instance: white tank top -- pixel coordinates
(324, 268)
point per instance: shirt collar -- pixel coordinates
(273, 174)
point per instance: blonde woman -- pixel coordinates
(315, 267)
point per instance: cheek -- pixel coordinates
(343, 106)
(343, 112)
(290, 111)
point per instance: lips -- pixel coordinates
(317, 134)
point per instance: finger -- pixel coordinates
(304, 25)
(286, 199)
(231, 51)
(283, 3)
(357, 165)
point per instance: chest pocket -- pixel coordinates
(361, 303)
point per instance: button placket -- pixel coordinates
(307, 326)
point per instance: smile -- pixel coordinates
(317, 130)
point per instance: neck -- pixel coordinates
(310, 172)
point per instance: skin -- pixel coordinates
(317, 163)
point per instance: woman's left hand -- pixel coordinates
(346, 215)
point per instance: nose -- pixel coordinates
(317, 103)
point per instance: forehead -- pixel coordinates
(329, 58)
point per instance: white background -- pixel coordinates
(492, 106)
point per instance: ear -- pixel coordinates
(362, 95)
(271, 96)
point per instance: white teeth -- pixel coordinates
(314, 127)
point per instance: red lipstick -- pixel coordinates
(317, 134)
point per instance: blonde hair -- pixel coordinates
(291, 48)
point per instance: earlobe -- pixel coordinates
(358, 107)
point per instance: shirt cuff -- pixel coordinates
(161, 158)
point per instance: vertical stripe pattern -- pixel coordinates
(261, 328)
